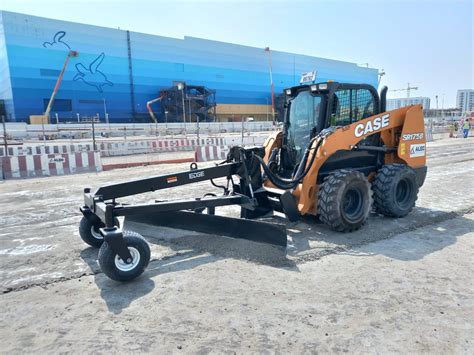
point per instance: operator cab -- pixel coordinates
(312, 108)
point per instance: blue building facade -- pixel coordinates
(118, 71)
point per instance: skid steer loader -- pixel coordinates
(339, 155)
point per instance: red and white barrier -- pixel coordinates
(50, 164)
(211, 152)
(246, 141)
(46, 149)
(130, 147)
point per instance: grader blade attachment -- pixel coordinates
(256, 231)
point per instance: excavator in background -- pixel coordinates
(44, 118)
(339, 156)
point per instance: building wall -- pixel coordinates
(5, 82)
(393, 104)
(465, 100)
(99, 78)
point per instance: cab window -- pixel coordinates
(351, 105)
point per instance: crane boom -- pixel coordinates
(408, 89)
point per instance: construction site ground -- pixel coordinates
(396, 285)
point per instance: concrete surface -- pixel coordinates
(396, 285)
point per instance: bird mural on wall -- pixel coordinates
(57, 41)
(93, 76)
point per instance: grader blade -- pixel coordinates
(256, 231)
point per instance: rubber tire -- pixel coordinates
(331, 196)
(385, 190)
(107, 258)
(85, 232)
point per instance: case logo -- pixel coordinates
(372, 126)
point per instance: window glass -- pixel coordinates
(341, 108)
(363, 104)
(351, 105)
(304, 114)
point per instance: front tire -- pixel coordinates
(344, 200)
(90, 233)
(395, 190)
(116, 268)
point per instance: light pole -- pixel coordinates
(181, 88)
(5, 142)
(381, 73)
(105, 112)
(266, 99)
(166, 121)
(267, 49)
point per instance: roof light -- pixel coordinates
(288, 92)
(323, 86)
(314, 87)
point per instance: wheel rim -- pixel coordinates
(95, 233)
(123, 266)
(352, 204)
(403, 193)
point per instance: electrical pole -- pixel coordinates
(5, 142)
(267, 49)
(93, 133)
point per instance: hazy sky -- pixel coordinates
(426, 43)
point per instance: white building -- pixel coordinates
(393, 104)
(465, 100)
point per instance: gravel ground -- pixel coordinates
(396, 285)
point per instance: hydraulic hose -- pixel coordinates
(287, 184)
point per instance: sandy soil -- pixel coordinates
(402, 285)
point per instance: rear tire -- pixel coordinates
(395, 190)
(115, 268)
(345, 200)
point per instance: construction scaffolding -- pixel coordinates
(186, 103)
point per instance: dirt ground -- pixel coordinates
(395, 286)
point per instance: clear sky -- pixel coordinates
(426, 43)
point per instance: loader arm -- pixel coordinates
(405, 123)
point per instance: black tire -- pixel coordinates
(395, 190)
(90, 234)
(116, 269)
(345, 200)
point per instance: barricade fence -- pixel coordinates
(36, 165)
(131, 147)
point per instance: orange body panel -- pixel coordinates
(402, 129)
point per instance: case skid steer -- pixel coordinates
(339, 155)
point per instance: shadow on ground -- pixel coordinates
(307, 239)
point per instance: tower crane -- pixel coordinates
(408, 89)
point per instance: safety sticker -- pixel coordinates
(171, 179)
(402, 149)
